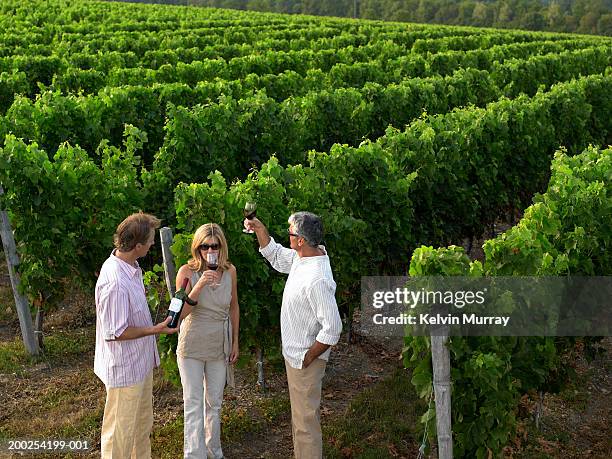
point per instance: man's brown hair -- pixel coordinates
(135, 229)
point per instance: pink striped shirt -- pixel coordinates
(121, 302)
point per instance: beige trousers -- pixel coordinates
(128, 419)
(305, 396)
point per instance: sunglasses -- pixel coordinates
(292, 234)
(210, 246)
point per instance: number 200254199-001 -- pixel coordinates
(43, 446)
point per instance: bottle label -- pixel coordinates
(175, 305)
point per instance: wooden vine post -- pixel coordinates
(165, 235)
(21, 303)
(440, 359)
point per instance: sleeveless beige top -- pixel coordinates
(206, 333)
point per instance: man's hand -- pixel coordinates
(140, 332)
(263, 237)
(253, 224)
(308, 359)
(315, 351)
(162, 327)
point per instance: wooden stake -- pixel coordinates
(440, 359)
(21, 303)
(261, 379)
(165, 235)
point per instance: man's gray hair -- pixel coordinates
(309, 226)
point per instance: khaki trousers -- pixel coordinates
(128, 419)
(305, 396)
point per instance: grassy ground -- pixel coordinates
(574, 423)
(368, 410)
(57, 395)
(382, 421)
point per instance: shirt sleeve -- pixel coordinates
(321, 297)
(113, 310)
(281, 258)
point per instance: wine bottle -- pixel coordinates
(176, 304)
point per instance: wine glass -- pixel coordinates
(250, 212)
(212, 262)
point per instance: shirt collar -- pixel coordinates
(130, 270)
(315, 257)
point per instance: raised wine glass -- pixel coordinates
(250, 212)
(212, 262)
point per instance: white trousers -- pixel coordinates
(203, 384)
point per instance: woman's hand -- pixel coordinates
(209, 277)
(235, 353)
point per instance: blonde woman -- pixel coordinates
(208, 341)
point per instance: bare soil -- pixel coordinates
(65, 398)
(50, 396)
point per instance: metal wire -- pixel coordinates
(423, 446)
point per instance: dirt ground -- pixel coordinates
(50, 395)
(574, 423)
(66, 397)
(351, 369)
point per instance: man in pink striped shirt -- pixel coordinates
(126, 348)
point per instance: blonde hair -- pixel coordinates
(204, 232)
